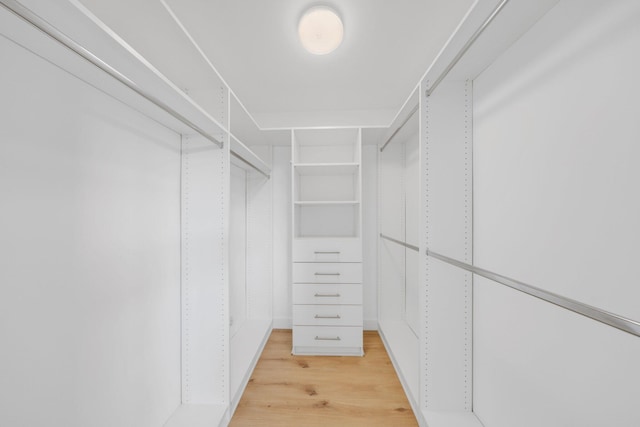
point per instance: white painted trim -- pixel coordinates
(282, 323)
(370, 324)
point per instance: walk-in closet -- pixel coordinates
(299, 213)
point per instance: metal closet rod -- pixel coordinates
(247, 162)
(28, 16)
(619, 322)
(405, 244)
(466, 47)
(602, 316)
(413, 111)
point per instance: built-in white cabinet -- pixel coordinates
(137, 198)
(327, 242)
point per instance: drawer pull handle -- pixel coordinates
(327, 295)
(337, 316)
(327, 339)
(326, 252)
(327, 274)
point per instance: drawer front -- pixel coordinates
(327, 272)
(327, 315)
(327, 250)
(327, 294)
(327, 336)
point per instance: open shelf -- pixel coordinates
(326, 183)
(306, 169)
(326, 188)
(326, 146)
(246, 347)
(320, 219)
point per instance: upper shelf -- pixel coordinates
(326, 202)
(87, 48)
(248, 157)
(326, 146)
(489, 29)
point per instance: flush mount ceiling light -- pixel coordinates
(320, 30)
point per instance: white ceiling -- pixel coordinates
(388, 46)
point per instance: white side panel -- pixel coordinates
(392, 191)
(556, 149)
(412, 216)
(205, 299)
(90, 254)
(237, 249)
(369, 215)
(391, 257)
(260, 254)
(391, 281)
(281, 182)
(412, 181)
(256, 237)
(446, 297)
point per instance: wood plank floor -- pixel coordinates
(287, 390)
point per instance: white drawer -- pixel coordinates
(327, 272)
(328, 315)
(327, 250)
(327, 336)
(327, 294)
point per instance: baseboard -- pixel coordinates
(370, 324)
(282, 323)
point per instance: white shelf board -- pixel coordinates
(450, 419)
(324, 237)
(508, 26)
(93, 35)
(249, 156)
(326, 168)
(326, 202)
(190, 415)
(404, 351)
(246, 347)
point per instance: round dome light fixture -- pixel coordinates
(320, 30)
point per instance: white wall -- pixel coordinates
(555, 205)
(281, 182)
(90, 254)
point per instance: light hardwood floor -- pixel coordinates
(287, 390)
